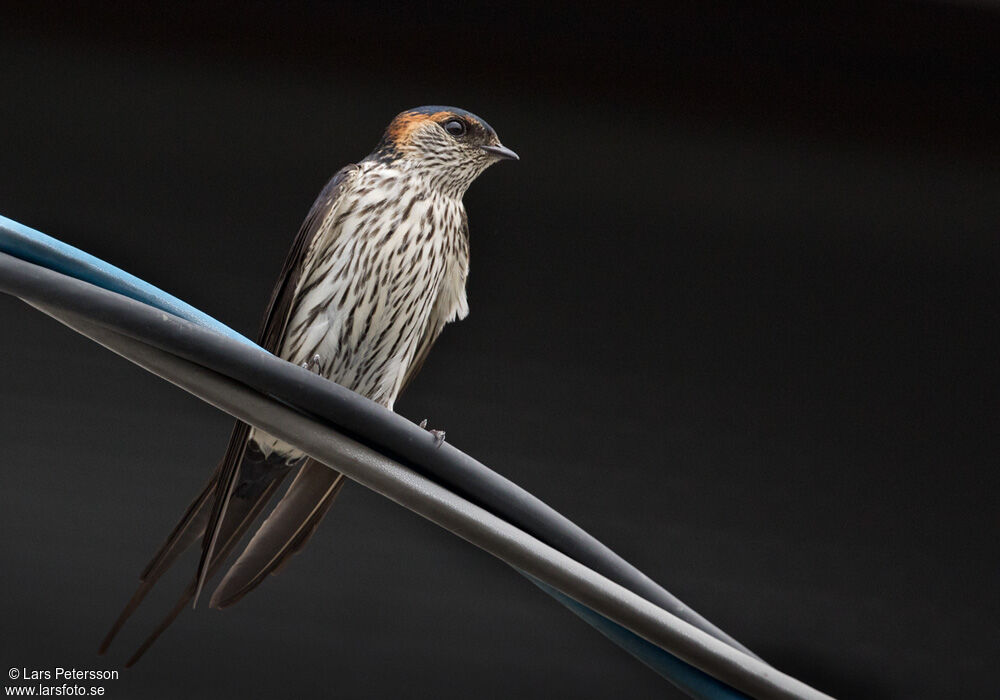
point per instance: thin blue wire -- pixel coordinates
(34, 246)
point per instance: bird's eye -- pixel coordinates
(455, 127)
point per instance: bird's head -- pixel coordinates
(449, 146)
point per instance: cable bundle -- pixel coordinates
(390, 455)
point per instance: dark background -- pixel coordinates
(733, 312)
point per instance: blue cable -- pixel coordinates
(34, 246)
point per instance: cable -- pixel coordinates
(364, 420)
(164, 335)
(26, 243)
(454, 513)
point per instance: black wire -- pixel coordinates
(726, 673)
(358, 417)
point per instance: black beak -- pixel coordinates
(501, 152)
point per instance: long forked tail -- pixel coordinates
(280, 536)
(259, 478)
(189, 529)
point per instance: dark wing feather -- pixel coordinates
(225, 524)
(272, 331)
(279, 308)
(283, 533)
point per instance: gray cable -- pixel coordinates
(352, 414)
(261, 374)
(454, 513)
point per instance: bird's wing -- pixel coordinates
(272, 331)
(279, 308)
(283, 533)
(242, 484)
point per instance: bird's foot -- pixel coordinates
(313, 364)
(438, 434)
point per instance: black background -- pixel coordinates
(733, 312)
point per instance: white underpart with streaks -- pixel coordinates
(388, 265)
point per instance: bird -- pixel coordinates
(378, 267)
